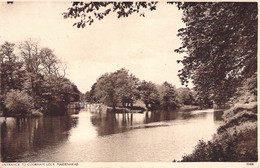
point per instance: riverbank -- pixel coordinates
(235, 140)
(140, 109)
(189, 108)
(134, 109)
(34, 114)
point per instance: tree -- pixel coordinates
(86, 97)
(185, 96)
(92, 94)
(169, 96)
(149, 95)
(106, 91)
(87, 12)
(19, 103)
(116, 87)
(30, 53)
(221, 42)
(57, 93)
(11, 72)
(128, 90)
(51, 65)
(38, 73)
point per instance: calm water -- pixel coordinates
(89, 136)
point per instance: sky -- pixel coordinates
(143, 45)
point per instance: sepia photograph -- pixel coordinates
(114, 82)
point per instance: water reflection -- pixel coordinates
(84, 130)
(218, 115)
(112, 123)
(72, 111)
(23, 139)
(160, 116)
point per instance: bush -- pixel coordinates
(237, 120)
(237, 147)
(235, 141)
(252, 106)
(18, 103)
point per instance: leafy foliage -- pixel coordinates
(240, 147)
(185, 96)
(116, 87)
(87, 12)
(247, 92)
(18, 103)
(36, 72)
(220, 39)
(169, 98)
(236, 139)
(149, 95)
(11, 72)
(221, 42)
(121, 87)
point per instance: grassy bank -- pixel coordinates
(235, 140)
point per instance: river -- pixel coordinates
(106, 137)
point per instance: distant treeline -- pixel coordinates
(33, 81)
(121, 88)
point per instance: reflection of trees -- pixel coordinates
(25, 136)
(112, 123)
(157, 116)
(190, 115)
(71, 111)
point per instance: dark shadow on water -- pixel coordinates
(218, 115)
(189, 115)
(23, 136)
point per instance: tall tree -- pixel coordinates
(169, 96)
(185, 96)
(36, 72)
(149, 95)
(11, 72)
(220, 39)
(116, 87)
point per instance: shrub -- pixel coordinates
(238, 147)
(236, 139)
(18, 103)
(252, 106)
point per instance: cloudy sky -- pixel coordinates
(145, 46)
